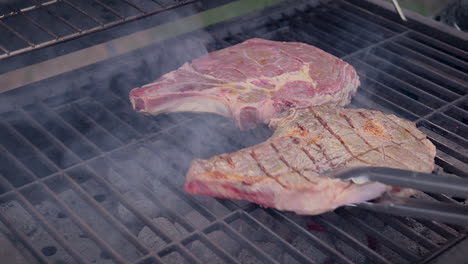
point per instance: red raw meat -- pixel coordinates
(251, 82)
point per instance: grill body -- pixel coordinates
(84, 178)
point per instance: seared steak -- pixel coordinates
(285, 172)
(251, 82)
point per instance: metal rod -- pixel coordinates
(84, 226)
(402, 251)
(4, 50)
(136, 6)
(109, 217)
(73, 215)
(50, 33)
(356, 244)
(217, 249)
(110, 9)
(77, 8)
(398, 9)
(406, 231)
(16, 33)
(284, 245)
(316, 240)
(77, 29)
(91, 30)
(245, 242)
(27, 9)
(24, 240)
(51, 230)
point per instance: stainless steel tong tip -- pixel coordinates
(399, 10)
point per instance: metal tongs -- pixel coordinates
(398, 9)
(452, 186)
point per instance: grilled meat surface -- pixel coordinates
(285, 171)
(251, 82)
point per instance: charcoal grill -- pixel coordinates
(85, 179)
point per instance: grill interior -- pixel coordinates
(83, 178)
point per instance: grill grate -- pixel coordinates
(34, 24)
(86, 179)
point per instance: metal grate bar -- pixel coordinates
(325, 37)
(134, 5)
(88, 230)
(439, 45)
(422, 71)
(160, 205)
(427, 62)
(359, 26)
(220, 251)
(24, 240)
(379, 102)
(284, 244)
(403, 252)
(68, 23)
(411, 78)
(80, 32)
(81, 11)
(420, 97)
(317, 241)
(70, 213)
(357, 245)
(23, 38)
(434, 54)
(254, 249)
(395, 96)
(50, 33)
(31, 8)
(359, 20)
(141, 216)
(4, 49)
(205, 212)
(424, 62)
(406, 231)
(88, 199)
(159, 3)
(341, 23)
(107, 216)
(362, 13)
(443, 131)
(304, 20)
(52, 231)
(110, 9)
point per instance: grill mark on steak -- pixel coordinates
(323, 152)
(311, 158)
(287, 163)
(409, 132)
(328, 128)
(350, 123)
(254, 156)
(402, 145)
(229, 161)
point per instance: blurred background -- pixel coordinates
(424, 7)
(451, 12)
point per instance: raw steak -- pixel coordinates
(251, 82)
(285, 171)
